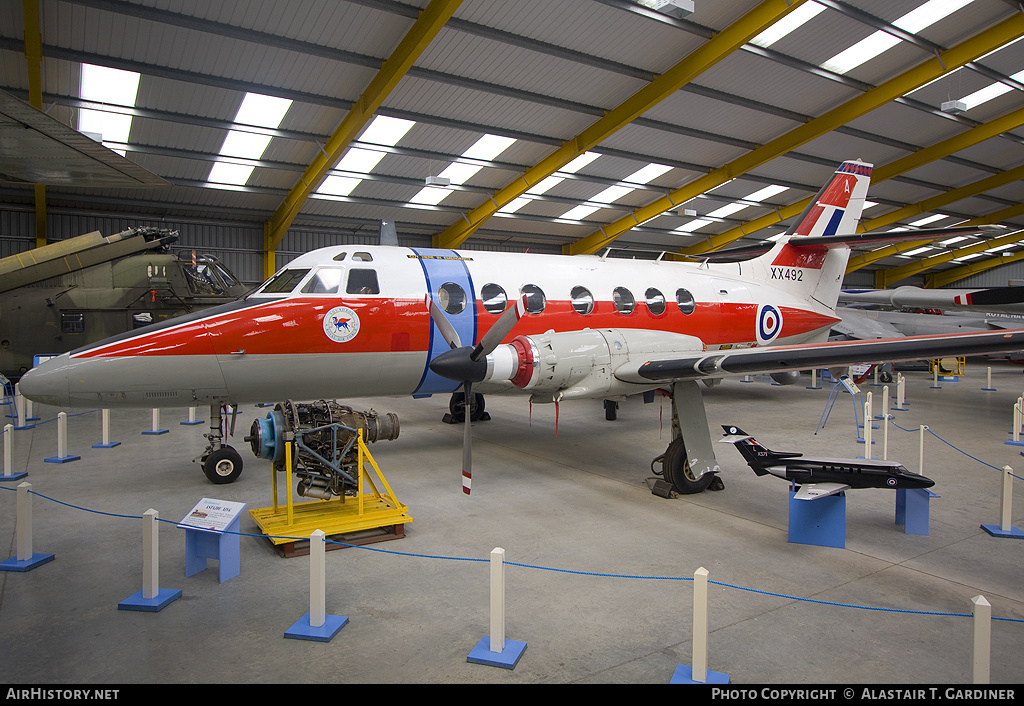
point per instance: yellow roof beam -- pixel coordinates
(926, 155)
(707, 55)
(886, 278)
(941, 279)
(416, 40)
(968, 50)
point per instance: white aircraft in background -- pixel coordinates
(357, 321)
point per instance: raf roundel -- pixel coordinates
(769, 323)
(341, 324)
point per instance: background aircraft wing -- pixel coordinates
(770, 359)
(813, 491)
(38, 149)
(999, 299)
(864, 325)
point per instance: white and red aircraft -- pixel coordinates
(357, 321)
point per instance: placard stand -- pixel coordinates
(211, 532)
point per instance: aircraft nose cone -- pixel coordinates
(47, 383)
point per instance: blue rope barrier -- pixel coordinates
(949, 445)
(546, 568)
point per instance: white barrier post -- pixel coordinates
(814, 380)
(988, 381)
(885, 429)
(901, 387)
(156, 424)
(19, 409)
(920, 450)
(9, 473)
(316, 624)
(981, 633)
(698, 673)
(192, 421)
(24, 559)
(106, 443)
(935, 377)
(151, 598)
(1005, 529)
(1017, 418)
(494, 650)
(62, 442)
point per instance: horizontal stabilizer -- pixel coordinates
(813, 491)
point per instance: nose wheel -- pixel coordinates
(221, 463)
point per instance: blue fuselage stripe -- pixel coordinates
(441, 267)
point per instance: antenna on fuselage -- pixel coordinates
(388, 234)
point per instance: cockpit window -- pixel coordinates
(362, 256)
(324, 281)
(284, 282)
(362, 282)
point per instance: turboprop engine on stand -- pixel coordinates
(325, 434)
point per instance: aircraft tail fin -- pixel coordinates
(756, 455)
(810, 260)
(388, 234)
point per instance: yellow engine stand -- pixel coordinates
(368, 517)
(948, 366)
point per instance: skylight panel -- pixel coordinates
(486, 148)
(795, 19)
(545, 185)
(967, 257)
(766, 193)
(917, 251)
(257, 110)
(578, 213)
(360, 160)
(336, 185)
(693, 225)
(951, 241)
(105, 85)
(926, 220)
(613, 193)
(384, 130)
(873, 45)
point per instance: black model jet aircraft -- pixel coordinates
(818, 477)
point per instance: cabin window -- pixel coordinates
(582, 300)
(623, 300)
(685, 301)
(325, 281)
(362, 256)
(340, 256)
(362, 282)
(655, 301)
(535, 299)
(494, 298)
(452, 298)
(284, 282)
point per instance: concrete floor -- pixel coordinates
(577, 503)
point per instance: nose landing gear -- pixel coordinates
(221, 463)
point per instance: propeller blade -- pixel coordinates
(467, 445)
(443, 324)
(502, 327)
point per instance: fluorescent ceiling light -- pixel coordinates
(787, 24)
(951, 241)
(967, 257)
(918, 251)
(926, 220)
(873, 45)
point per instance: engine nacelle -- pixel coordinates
(581, 364)
(786, 377)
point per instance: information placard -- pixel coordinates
(213, 515)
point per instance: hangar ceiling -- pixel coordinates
(569, 125)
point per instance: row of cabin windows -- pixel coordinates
(452, 298)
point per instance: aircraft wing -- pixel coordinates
(770, 359)
(38, 149)
(864, 325)
(1001, 299)
(813, 491)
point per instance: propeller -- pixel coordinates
(468, 364)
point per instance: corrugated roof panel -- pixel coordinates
(709, 115)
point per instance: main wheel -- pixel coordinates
(223, 465)
(457, 407)
(675, 468)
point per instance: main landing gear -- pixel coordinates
(221, 463)
(689, 463)
(457, 409)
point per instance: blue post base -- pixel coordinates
(61, 459)
(13, 564)
(684, 675)
(164, 597)
(997, 531)
(821, 522)
(155, 432)
(508, 658)
(190, 424)
(19, 427)
(14, 476)
(302, 630)
(111, 445)
(912, 509)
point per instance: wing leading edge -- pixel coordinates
(715, 364)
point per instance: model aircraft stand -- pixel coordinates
(373, 516)
(1005, 528)
(316, 625)
(152, 598)
(9, 475)
(698, 673)
(494, 650)
(24, 559)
